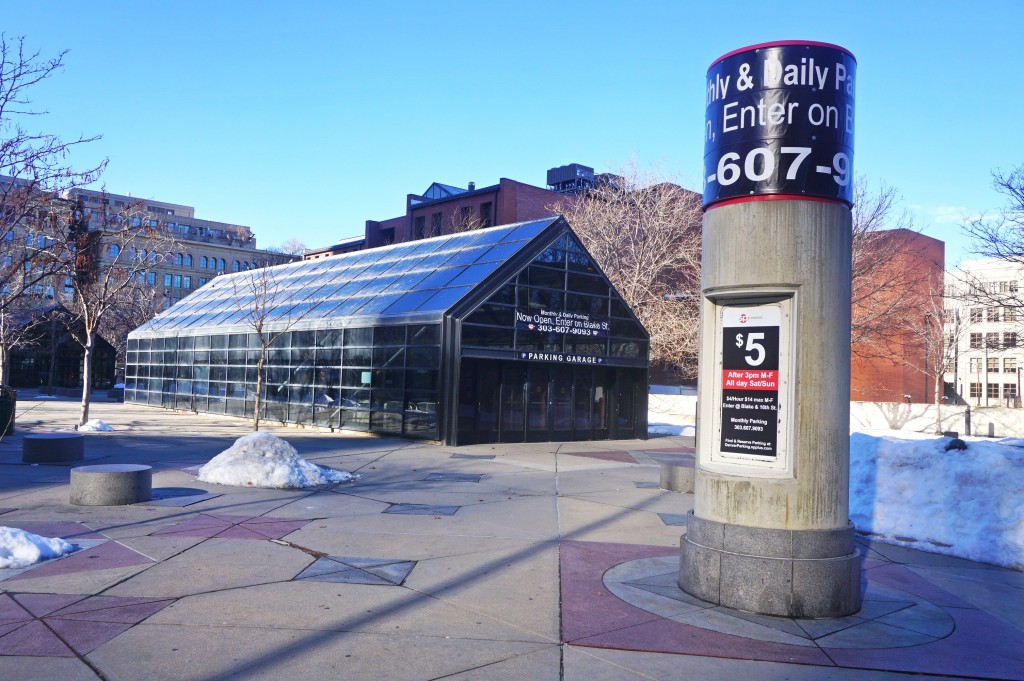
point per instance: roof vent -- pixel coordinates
(472, 186)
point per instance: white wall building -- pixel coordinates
(984, 334)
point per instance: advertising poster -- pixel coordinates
(750, 380)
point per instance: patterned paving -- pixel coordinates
(624, 596)
(61, 625)
(421, 509)
(606, 455)
(376, 571)
(453, 477)
(233, 527)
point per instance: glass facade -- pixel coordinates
(502, 334)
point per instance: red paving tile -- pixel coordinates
(240, 532)
(609, 455)
(34, 640)
(981, 646)
(85, 637)
(43, 604)
(69, 531)
(668, 636)
(102, 557)
(12, 611)
(82, 622)
(588, 608)
(113, 609)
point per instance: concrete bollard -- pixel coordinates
(53, 448)
(115, 484)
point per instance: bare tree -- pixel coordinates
(1001, 236)
(33, 171)
(107, 266)
(261, 300)
(462, 219)
(644, 232)
(938, 334)
(291, 246)
(889, 282)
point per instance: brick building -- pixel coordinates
(890, 371)
(445, 209)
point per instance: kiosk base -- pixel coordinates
(790, 573)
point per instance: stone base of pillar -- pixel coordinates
(790, 573)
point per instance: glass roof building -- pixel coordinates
(507, 334)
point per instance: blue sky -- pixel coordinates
(306, 120)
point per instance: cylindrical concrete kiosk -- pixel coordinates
(770, 531)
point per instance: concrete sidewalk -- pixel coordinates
(536, 561)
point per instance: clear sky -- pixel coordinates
(305, 119)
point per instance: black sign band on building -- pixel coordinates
(779, 122)
(558, 321)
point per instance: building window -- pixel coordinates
(186, 282)
(115, 250)
(975, 341)
(1010, 365)
(435, 224)
(236, 266)
(993, 390)
(223, 264)
(419, 227)
(486, 214)
(179, 259)
(992, 314)
(1010, 339)
(992, 340)
(203, 262)
(177, 281)
(1009, 389)
(976, 314)
(188, 261)
(975, 365)
(975, 389)
(1009, 314)
(167, 281)
(993, 365)
(151, 278)
(202, 281)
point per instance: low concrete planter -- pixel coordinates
(114, 484)
(53, 448)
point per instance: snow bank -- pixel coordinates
(669, 429)
(95, 425)
(19, 548)
(262, 460)
(911, 492)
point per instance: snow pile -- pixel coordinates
(19, 548)
(262, 460)
(94, 426)
(908, 490)
(670, 429)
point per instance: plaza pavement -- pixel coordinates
(537, 561)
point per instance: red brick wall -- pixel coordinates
(887, 374)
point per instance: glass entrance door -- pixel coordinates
(562, 404)
(538, 418)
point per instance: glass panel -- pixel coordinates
(444, 298)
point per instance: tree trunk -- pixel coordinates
(259, 390)
(86, 378)
(3, 364)
(939, 386)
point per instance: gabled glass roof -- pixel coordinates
(417, 280)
